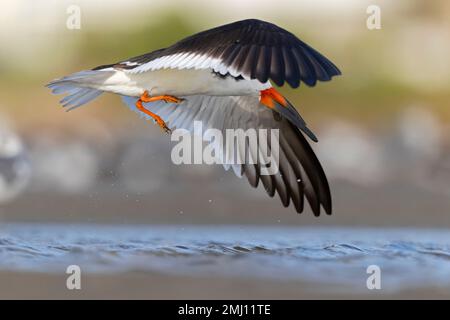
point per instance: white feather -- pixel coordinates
(188, 60)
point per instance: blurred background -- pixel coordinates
(383, 126)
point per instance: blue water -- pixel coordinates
(408, 258)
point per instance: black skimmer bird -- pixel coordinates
(223, 77)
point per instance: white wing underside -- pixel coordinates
(214, 112)
(299, 172)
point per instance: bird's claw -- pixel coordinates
(171, 99)
(165, 128)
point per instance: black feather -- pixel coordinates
(258, 49)
(262, 72)
(307, 73)
(239, 61)
(277, 66)
(291, 71)
(249, 64)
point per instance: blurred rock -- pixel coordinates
(145, 164)
(14, 165)
(413, 145)
(64, 166)
(420, 133)
(350, 153)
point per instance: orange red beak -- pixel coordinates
(268, 96)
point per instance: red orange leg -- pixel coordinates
(166, 98)
(157, 118)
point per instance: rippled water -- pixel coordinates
(407, 257)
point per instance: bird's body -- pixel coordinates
(178, 83)
(223, 77)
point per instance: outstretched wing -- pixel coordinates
(300, 173)
(252, 48)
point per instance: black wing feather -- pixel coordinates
(300, 173)
(305, 68)
(230, 53)
(277, 66)
(262, 66)
(240, 58)
(249, 64)
(291, 71)
(290, 59)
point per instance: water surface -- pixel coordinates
(335, 257)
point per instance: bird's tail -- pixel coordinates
(80, 87)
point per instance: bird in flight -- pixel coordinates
(223, 77)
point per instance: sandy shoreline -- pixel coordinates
(137, 285)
